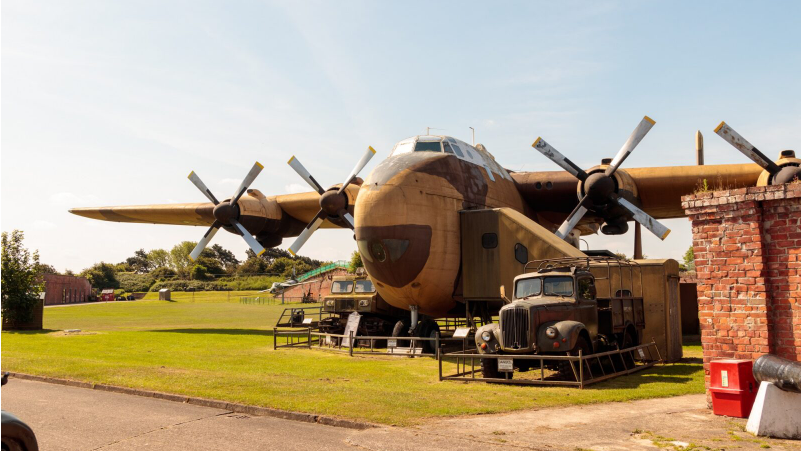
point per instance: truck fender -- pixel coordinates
(567, 335)
(494, 343)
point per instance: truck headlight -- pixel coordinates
(329, 303)
(486, 335)
(364, 303)
(551, 332)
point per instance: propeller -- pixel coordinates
(226, 212)
(600, 186)
(333, 203)
(778, 174)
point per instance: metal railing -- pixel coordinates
(363, 344)
(264, 300)
(580, 367)
(322, 269)
(295, 317)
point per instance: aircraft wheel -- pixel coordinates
(428, 329)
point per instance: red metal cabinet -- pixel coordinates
(733, 387)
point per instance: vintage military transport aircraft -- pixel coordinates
(405, 213)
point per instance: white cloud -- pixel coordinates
(72, 199)
(41, 224)
(294, 188)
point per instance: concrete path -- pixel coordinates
(70, 418)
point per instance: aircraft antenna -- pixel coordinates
(432, 128)
(474, 136)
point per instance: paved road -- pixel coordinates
(69, 418)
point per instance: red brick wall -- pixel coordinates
(319, 286)
(747, 243)
(66, 289)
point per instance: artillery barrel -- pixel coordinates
(784, 373)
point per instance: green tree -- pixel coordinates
(139, 263)
(44, 268)
(355, 262)
(21, 278)
(101, 276)
(158, 258)
(689, 260)
(179, 257)
(226, 258)
(199, 272)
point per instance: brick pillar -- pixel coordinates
(747, 244)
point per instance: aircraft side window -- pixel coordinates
(447, 146)
(364, 250)
(489, 241)
(458, 151)
(521, 253)
(423, 146)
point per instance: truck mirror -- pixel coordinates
(503, 291)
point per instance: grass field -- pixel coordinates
(217, 348)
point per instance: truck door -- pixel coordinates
(587, 304)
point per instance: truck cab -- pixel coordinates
(556, 309)
(356, 293)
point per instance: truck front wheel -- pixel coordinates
(489, 368)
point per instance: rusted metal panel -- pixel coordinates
(486, 268)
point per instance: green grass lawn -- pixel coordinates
(218, 348)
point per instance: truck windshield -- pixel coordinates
(364, 286)
(528, 287)
(341, 286)
(558, 286)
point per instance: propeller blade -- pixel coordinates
(202, 187)
(368, 154)
(645, 219)
(732, 137)
(204, 242)
(305, 175)
(554, 155)
(636, 136)
(573, 219)
(254, 172)
(348, 218)
(254, 245)
(306, 233)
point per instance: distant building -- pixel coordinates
(315, 283)
(66, 289)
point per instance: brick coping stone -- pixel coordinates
(203, 402)
(733, 196)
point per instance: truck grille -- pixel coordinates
(514, 327)
(346, 304)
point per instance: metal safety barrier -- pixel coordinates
(618, 362)
(363, 344)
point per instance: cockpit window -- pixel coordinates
(458, 151)
(403, 147)
(364, 286)
(447, 146)
(342, 287)
(428, 147)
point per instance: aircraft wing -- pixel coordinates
(553, 194)
(297, 209)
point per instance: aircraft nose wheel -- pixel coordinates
(427, 328)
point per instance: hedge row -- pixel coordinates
(227, 284)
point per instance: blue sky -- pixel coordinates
(114, 103)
